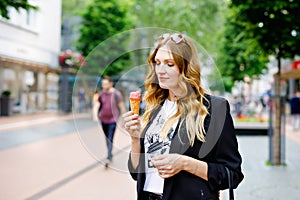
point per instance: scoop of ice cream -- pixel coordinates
(135, 100)
(135, 95)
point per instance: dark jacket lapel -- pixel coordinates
(180, 142)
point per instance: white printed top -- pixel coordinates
(155, 145)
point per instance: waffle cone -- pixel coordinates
(135, 105)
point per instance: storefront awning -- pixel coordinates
(12, 63)
(291, 71)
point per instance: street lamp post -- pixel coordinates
(64, 90)
(69, 61)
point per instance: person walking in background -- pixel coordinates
(184, 146)
(295, 110)
(81, 100)
(96, 105)
(111, 106)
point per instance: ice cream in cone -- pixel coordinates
(135, 100)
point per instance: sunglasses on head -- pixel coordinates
(175, 37)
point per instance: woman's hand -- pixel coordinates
(132, 124)
(168, 164)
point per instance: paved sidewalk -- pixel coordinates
(26, 117)
(269, 182)
(21, 121)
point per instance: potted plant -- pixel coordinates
(6, 103)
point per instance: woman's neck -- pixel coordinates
(173, 95)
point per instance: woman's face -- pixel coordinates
(166, 69)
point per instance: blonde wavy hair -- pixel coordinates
(191, 103)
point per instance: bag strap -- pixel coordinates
(231, 194)
(117, 100)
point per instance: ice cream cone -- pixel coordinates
(135, 100)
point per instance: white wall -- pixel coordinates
(38, 42)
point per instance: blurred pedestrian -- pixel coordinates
(295, 110)
(238, 106)
(184, 146)
(111, 105)
(95, 106)
(81, 100)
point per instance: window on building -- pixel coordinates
(22, 18)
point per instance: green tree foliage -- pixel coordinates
(256, 29)
(201, 20)
(101, 21)
(274, 24)
(5, 4)
(240, 55)
(74, 7)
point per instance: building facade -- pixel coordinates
(29, 49)
(291, 73)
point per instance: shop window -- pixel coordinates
(29, 78)
(22, 18)
(9, 79)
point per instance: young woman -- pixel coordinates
(183, 145)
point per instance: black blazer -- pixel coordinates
(223, 151)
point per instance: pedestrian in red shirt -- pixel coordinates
(111, 106)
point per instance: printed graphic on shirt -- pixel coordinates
(155, 145)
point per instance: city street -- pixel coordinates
(51, 156)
